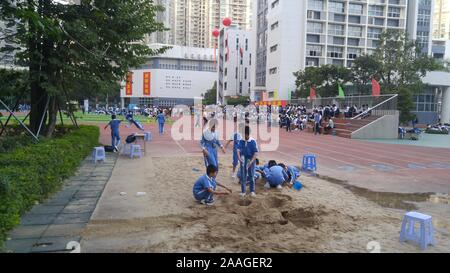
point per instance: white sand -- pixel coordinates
(322, 217)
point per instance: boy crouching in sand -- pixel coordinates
(205, 187)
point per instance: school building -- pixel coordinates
(175, 77)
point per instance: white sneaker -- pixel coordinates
(279, 187)
(252, 194)
(267, 185)
(242, 194)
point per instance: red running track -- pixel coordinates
(376, 166)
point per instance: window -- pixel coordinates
(245, 73)
(352, 42)
(273, 48)
(374, 33)
(313, 38)
(313, 15)
(225, 86)
(246, 44)
(354, 19)
(315, 4)
(336, 29)
(394, 12)
(353, 53)
(338, 40)
(236, 73)
(376, 10)
(274, 26)
(376, 21)
(355, 9)
(314, 51)
(275, 3)
(314, 27)
(273, 71)
(355, 31)
(335, 52)
(337, 7)
(226, 71)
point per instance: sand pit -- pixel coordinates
(322, 217)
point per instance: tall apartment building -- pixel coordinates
(240, 11)
(235, 60)
(420, 23)
(441, 21)
(166, 17)
(192, 21)
(306, 33)
(7, 55)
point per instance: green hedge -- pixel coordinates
(34, 172)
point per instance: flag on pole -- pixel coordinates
(376, 89)
(312, 93)
(341, 92)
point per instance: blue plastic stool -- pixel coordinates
(136, 151)
(309, 162)
(147, 136)
(99, 154)
(424, 236)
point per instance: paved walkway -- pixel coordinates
(48, 227)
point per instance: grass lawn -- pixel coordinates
(89, 118)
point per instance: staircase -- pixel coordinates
(345, 127)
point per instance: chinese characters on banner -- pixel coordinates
(129, 85)
(147, 81)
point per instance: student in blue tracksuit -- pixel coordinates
(257, 173)
(205, 187)
(275, 177)
(114, 124)
(292, 171)
(247, 153)
(235, 138)
(161, 120)
(209, 144)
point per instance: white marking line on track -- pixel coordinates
(347, 163)
(398, 167)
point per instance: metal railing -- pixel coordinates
(382, 102)
(386, 105)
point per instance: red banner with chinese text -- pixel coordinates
(147, 83)
(129, 85)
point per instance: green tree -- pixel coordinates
(364, 68)
(93, 44)
(400, 66)
(325, 79)
(210, 97)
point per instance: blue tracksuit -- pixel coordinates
(161, 120)
(236, 138)
(276, 176)
(293, 172)
(211, 147)
(256, 175)
(201, 186)
(248, 149)
(115, 135)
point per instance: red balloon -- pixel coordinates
(216, 32)
(226, 21)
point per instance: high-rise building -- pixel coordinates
(420, 23)
(441, 20)
(240, 11)
(9, 48)
(235, 60)
(316, 32)
(192, 21)
(165, 17)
